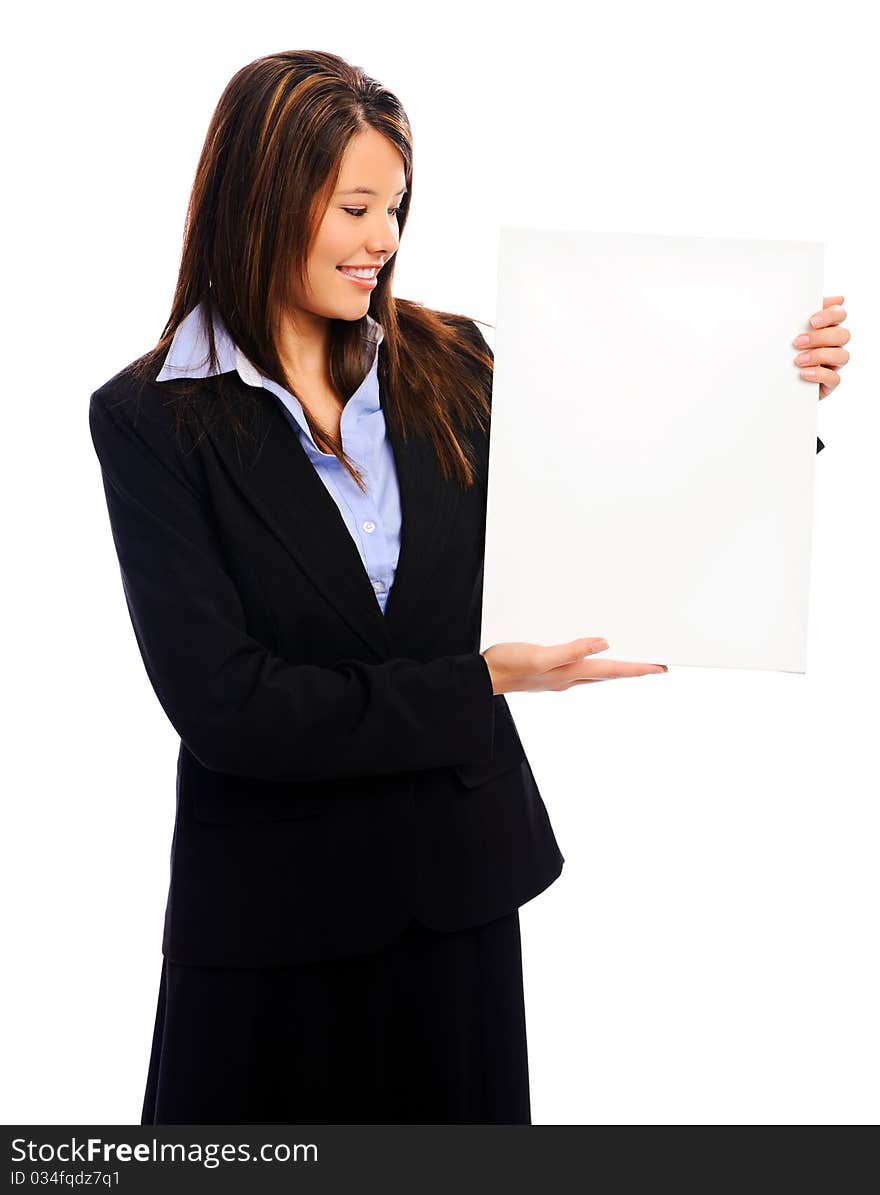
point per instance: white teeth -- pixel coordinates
(358, 273)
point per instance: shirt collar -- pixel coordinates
(188, 355)
(362, 422)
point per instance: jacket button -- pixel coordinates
(369, 526)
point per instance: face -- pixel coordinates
(359, 227)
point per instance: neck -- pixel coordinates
(303, 346)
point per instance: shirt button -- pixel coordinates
(379, 587)
(369, 525)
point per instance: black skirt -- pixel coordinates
(428, 1030)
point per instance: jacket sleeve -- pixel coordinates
(239, 708)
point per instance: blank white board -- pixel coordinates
(652, 446)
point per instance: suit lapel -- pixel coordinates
(279, 481)
(428, 504)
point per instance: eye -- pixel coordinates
(359, 211)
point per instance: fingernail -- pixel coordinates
(816, 321)
(801, 340)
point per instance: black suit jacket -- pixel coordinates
(340, 771)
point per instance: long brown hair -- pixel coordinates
(268, 167)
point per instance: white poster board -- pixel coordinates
(652, 446)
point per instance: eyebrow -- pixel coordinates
(366, 191)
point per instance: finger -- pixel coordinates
(831, 315)
(608, 669)
(829, 378)
(559, 654)
(834, 335)
(833, 356)
(831, 302)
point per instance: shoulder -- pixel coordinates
(477, 338)
(467, 334)
(132, 410)
(132, 396)
(427, 328)
(129, 391)
(471, 353)
(478, 359)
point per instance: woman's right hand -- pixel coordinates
(530, 667)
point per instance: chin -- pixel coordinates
(350, 315)
(351, 311)
(357, 310)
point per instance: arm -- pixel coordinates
(237, 707)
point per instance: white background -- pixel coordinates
(709, 954)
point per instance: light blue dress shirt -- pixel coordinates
(373, 518)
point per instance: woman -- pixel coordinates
(299, 520)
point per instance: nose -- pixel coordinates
(383, 238)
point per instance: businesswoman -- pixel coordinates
(296, 482)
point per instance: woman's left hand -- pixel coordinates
(821, 354)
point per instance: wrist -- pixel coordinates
(493, 676)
